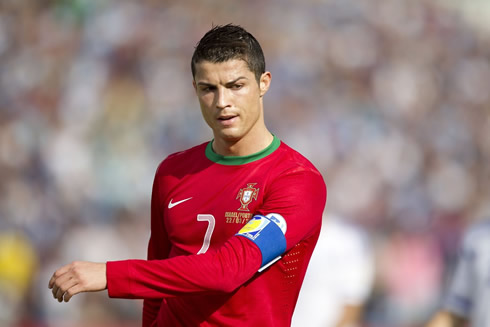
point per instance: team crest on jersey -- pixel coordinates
(246, 195)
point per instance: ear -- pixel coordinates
(264, 83)
(194, 85)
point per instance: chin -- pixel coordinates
(229, 135)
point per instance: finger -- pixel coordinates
(72, 291)
(51, 282)
(65, 287)
(58, 282)
(60, 291)
(55, 289)
(56, 286)
(61, 271)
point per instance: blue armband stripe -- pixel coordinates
(267, 235)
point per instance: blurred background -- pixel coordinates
(389, 99)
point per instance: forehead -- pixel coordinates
(222, 71)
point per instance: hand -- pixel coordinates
(77, 277)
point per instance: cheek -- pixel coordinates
(206, 100)
(253, 106)
(206, 112)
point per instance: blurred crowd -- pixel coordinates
(389, 99)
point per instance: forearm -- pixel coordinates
(220, 271)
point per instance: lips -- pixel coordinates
(227, 120)
(227, 117)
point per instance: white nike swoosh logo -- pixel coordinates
(173, 204)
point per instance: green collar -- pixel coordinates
(238, 160)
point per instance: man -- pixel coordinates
(339, 279)
(468, 298)
(234, 221)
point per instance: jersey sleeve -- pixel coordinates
(151, 306)
(299, 196)
(221, 270)
(458, 299)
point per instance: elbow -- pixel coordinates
(234, 264)
(227, 286)
(228, 281)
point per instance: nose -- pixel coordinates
(222, 98)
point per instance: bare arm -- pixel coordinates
(446, 319)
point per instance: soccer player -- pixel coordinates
(233, 221)
(468, 298)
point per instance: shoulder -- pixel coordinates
(180, 159)
(291, 160)
(289, 170)
(290, 166)
(188, 153)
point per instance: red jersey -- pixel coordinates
(199, 272)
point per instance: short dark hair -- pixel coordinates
(228, 42)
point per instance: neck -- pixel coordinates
(244, 146)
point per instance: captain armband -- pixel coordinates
(268, 233)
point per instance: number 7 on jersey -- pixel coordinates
(209, 231)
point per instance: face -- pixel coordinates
(231, 98)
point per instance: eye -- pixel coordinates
(237, 86)
(207, 88)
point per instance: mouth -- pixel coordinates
(227, 120)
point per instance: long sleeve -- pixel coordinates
(301, 205)
(222, 270)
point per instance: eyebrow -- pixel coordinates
(226, 84)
